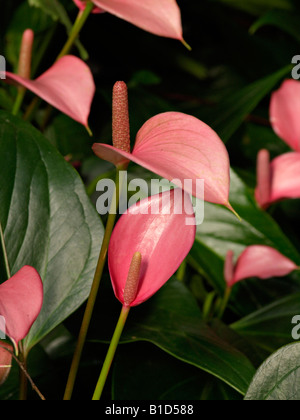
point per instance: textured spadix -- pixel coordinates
(163, 239)
(21, 299)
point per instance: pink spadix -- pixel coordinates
(158, 242)
(21, 299)
(257, 261)
(160, 17)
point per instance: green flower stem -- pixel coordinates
(224, 302)
(78, 25)
(6, 263)
(111, 353)
(19, 100)
(94, 290)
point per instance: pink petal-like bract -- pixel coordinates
(160, 17)
(179, 147)
(21, 299)
(262, 262)
(163, 239)
(68, 86)
(285, 177)
(285, 111)
(5, 361)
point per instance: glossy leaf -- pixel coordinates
(154, 234)
(256, 228)
(284, 112)
(179, 147)
(48, 222)
(278, 378)
(21, 299)
(71, 95)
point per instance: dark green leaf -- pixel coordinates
(278, 378)
(48, 221)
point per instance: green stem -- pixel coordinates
(94, 291)
(111, 353)
(8, 273)
(224, 302)
(78, 25)
(18, 101)
(23, 378)
(181, 271)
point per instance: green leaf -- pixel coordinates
(48, 221)
(222, 231)
(286, 21)
(258, 327)
(57, 12)
(173, 322)
(278, 378)
(256, 7)
(232, 111)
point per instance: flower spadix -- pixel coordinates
(257, 261)
(68, 85)
(178, 147)
(149, 248)
(21, 299)
(160, 17)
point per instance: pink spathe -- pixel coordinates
(162, 239)
(179, 147)
(263, 262)
(21, 299)
(68, 86)
(159, 17)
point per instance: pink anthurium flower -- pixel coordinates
(178, 147)
(68, 86)
(21, 299)
(257, 261)
(277, 180)
(5, 361)
(160, 17)
(159, 243)
(284, 113)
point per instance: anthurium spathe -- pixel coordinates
(162, 239)
(257, 261)
(179, 147)
(68, 86)
(5, 361)
(278, 179)
(21, 299)
(160, 17)
(284, 113)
